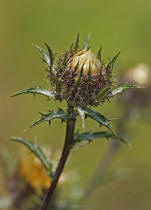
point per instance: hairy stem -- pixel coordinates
(70, 126)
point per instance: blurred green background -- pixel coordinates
(117, 25)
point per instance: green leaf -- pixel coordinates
(107, 92)
(87, 42)
(121, 89)
(34, 148)
(60, 114)
(78, 137)
(98, 117)
(45, 55)
(51, 56)
(35, 90)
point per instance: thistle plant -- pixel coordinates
(83, 81)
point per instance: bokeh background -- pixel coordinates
(117, 25)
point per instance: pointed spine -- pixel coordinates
(76, 43)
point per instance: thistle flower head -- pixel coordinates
(79, 76)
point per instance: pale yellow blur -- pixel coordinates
(33, 173)
(139, 75)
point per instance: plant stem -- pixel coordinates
(70, 126)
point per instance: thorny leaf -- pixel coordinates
(98, 117)
(107, 92)
(121, 89)
(52, 57)
(35, 90)
(78, 137)
(45, 55)
(38, 152)
(60, 114)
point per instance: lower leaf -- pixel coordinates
(90, 136)
(34, 148)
